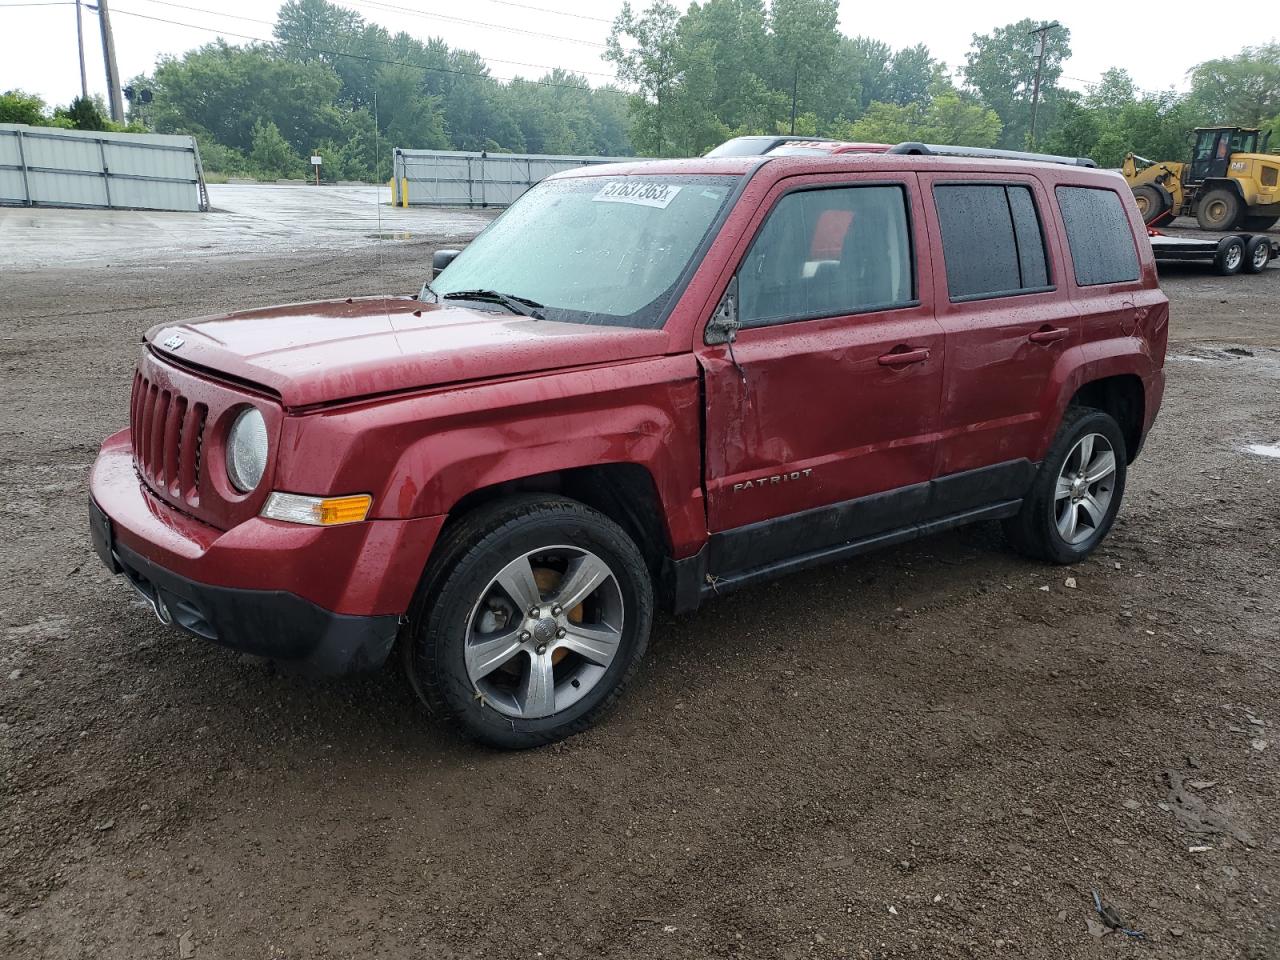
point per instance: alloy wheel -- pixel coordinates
(1086, 484)
(544, 632)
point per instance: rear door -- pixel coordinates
(1007, 321)
(830, 393)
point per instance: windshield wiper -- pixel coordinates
(521, 305)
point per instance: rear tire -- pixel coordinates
(1230, 256)
(1218, 210)
(1257, 255)
(1258, 224)
(1076, 493)
(1151, 203)
(487, 643)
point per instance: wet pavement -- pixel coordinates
(247, 220)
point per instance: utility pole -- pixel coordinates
(84, 80)
(109, 60)
(1042, 33)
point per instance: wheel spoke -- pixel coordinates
(597, 643)
(1086, 451)
(516, 580)
(1067, 522)
(580, 580)
(489, 653)
(1094, 509)
(1063, 488)
(1103, 465)
(538, 695)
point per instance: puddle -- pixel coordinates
(1264, 450)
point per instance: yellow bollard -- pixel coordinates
(404, 191)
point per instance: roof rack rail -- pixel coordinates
(942, 150)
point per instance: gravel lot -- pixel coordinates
(938, 751)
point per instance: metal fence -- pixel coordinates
(51, 167)
(456, 178)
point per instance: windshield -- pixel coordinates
(599, 250)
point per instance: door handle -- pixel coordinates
(900, 358)
(1052, 335)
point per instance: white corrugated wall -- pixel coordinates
(459, 178)
(48, 166)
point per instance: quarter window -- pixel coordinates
(828, 252)
(992, 241)
(1099, 235)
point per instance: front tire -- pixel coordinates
(1076, 493)
(532, 617)
(1230, 256)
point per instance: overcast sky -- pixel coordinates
(38, 41)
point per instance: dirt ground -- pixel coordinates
(940, 750)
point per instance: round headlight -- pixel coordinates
(247, 450)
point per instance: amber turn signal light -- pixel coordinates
(317, 511)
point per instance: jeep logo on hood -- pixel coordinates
(173, 342)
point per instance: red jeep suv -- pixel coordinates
(643, 384)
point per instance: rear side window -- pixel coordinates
(992, 241)
(827, 253)
(1099, 234)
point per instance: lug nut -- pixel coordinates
(542, 648)
(534, 613)
(560, 633)
(556, 611)
(525, 635)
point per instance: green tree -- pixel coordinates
(806, 43)
(270, 155)
(19, 107)
(644, 49)
(228, 91)
(1243, 90)
(912, 74)
(1001, 69)
(87, 113)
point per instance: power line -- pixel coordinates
(350, 56)
(558, 13)
(396, 8)
(272, 23)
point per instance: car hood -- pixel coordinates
(322, 352)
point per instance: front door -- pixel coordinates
(821, 419)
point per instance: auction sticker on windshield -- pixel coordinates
(645, 193)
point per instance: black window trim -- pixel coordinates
(915, 301)
(1048, 260)
(1075, 271)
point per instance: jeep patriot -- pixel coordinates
(643, 385)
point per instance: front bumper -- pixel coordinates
(328, 600)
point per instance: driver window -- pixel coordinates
(828, 252)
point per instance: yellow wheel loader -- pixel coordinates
(1229, 184)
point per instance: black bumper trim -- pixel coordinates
(266, 623)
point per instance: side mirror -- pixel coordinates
(723, 325)
(441, 259)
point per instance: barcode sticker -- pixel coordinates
(644, 193)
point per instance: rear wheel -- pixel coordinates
(532, 617)
(1151, 203)
(1257, 255)
(1218, 210)
(1077, 490)
(1230, 256)
(1259, 223)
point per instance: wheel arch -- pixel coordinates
(626, 493)
(1122, 396)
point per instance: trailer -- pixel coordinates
(1231, 254)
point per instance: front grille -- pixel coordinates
(168, 437)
